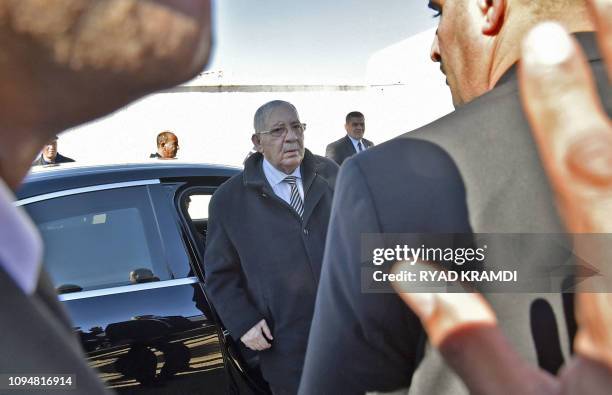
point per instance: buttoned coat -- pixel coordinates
(263, 261)
(341, 149)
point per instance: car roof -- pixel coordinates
(69, 176)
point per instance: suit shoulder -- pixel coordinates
(336, 143)
(327, 169)
(404, 156)
(65, 159)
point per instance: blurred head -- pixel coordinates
(49, 151)
(65, 65)
(477, 41)
(355, 124)
(279, 135)
(167, 145)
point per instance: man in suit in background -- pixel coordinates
(265, 242)
(476, 169)
(50, 156)
(56, 76)
(353, 142)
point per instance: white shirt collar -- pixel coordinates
(355, 141)
(20, 243)
(275, 176)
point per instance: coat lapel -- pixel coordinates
(253, 176)
(349, 148)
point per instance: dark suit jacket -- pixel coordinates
(477, 168)
(263, 261)
(340, 150)
(37, 337)
(58, 159)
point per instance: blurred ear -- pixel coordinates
(256, 142)
(346, 127)
(493, 12)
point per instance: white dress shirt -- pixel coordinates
(355, 142)
(20, 243)
(276, 179)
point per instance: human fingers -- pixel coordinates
(574, 136)
(570, 126)
(262, 343)
(594, 337)
(266, 330)
(464, 328)
(585, 376)
(252, 338)
(601, 11)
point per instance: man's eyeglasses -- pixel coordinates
(281, 131)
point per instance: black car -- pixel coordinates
(124, 247)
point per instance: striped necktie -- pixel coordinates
(296, 200)
(360, 146)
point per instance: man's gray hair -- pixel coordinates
(262, 113)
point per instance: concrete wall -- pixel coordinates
(403, 90)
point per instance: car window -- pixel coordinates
(100, 239)
(197, 206)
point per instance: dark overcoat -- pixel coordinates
(340, 150)
(263, 261)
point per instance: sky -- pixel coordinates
(315, 41)
(383, 45)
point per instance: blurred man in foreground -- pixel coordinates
(476, 169)
(63, 65)
(50, 156)
(167, 146)
(565, 132)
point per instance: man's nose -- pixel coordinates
(292, 135)
(434, 53)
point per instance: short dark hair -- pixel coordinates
(353, 114)
(162, 137)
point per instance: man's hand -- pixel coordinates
(257, 337)
(574, 138)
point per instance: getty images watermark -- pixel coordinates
(497, 263)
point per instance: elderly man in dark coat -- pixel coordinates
(266, 235)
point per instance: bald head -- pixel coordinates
(167, 145)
